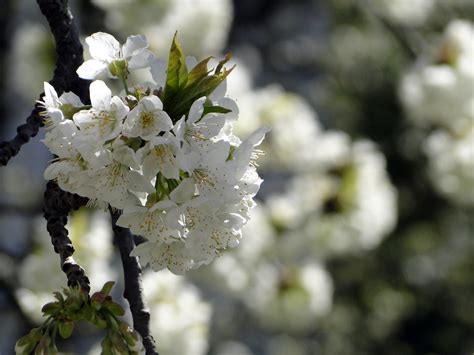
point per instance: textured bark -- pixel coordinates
(69, 49)
(133, 291)
(57, 205)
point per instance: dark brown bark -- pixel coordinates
(133, 291)
(57, 205)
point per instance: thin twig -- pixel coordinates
(133, 291)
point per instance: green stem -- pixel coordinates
(124, 83)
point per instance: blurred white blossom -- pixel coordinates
(290, 297)
(439, 94)
(180, 319)
(438, 91)
(405, 12)
(291, 143)
(346, 205)
(233, 272)
(451, 164)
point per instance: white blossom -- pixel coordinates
(114, 181)
(55, 106)
(161, 155)
(104, 121)
(147, 119)
(105, 50)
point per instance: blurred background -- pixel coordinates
(363, 238)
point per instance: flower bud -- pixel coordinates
(65, 328)
(133, 339)
(119, 68)
(27, 343)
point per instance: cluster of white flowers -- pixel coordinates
(438, 94)
(163, 152)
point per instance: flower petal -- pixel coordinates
(184, 192)
(100, 95)
(103, 46)
(91, 68)
(151, 103)
(133, 45)
(141, 60)
(50, 96)
(196, 110)
(158, 71)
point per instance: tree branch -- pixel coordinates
(69, 49)
(133, 291)
(69, 57)
(57, 205)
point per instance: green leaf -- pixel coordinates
(183, 88)
(27, 343)
(99, 321)
(118, 344)
(108, 286)
(114, 308)
(51, 308)
(222, 62)
(106, 346)
(66, 328)
(87, 313)
(214, 109)
(97, 299)
(58, 295)
(198, 72)
(128, 333)
(177, 72)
